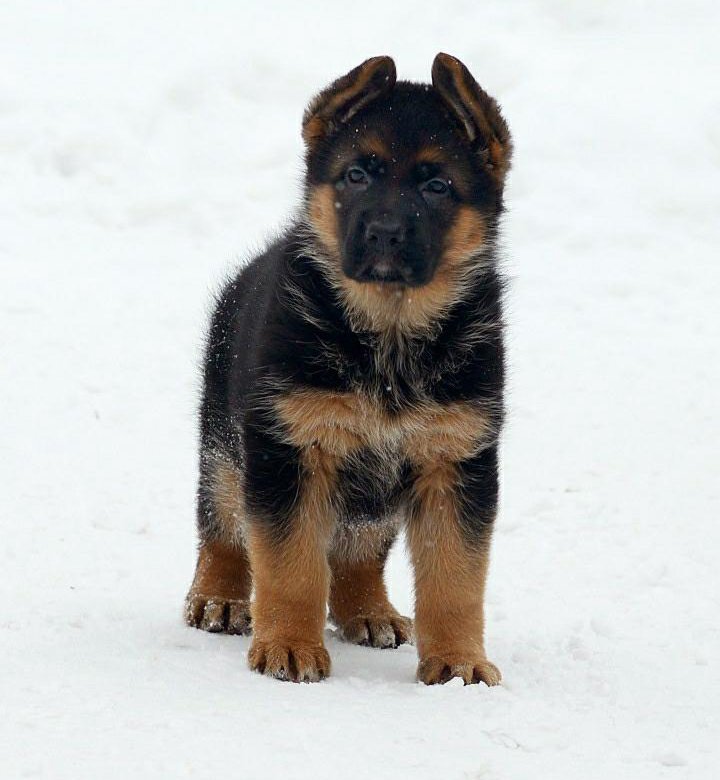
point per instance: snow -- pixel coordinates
(145, 149)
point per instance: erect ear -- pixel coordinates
(339, 102)
(476, 111)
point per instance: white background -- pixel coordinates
(145, 150)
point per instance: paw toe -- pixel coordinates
(310, 665)
(213, 618)
(239, 621)
(289, 661)
(378, 631)
(487, 672)
(403, 628)
(438, 670)
(381, 633)
(217, 614)
(277, 663)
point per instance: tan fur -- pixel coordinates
(393, 307)
(454, 432)
(292, 581)
(219, 596)
(449, 584)
(465, 237)
(373, 144)
(323, 216)
(222, 571)
(342, 423)
(436, 155)
(359, 604)
(357, 589)
(369, 144)
(430, 154)
(218, 599)
(228, 502)
(333, 421)
(314, 129)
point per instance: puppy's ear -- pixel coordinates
(476, 111)
(339, 102)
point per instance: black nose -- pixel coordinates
(384, 237)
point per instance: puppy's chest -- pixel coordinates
(357, 428)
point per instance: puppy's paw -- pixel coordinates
(438, 669)
(289, 660)
(384, 630)
(217, 614)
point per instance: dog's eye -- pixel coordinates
(357, 175)
(436, 186)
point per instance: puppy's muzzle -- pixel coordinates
(384, 242)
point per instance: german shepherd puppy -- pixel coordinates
(353, 384)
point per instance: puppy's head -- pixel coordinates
(404, 180)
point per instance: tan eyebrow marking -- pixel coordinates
(373, 144)
(437, 155)
(431, 154)
(366, 145)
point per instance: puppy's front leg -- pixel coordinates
(449, 530)
(291, 577)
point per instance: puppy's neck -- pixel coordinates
(395, 312)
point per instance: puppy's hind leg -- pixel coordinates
(219, 597)
(359, 604)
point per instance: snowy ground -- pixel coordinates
(144, 149)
